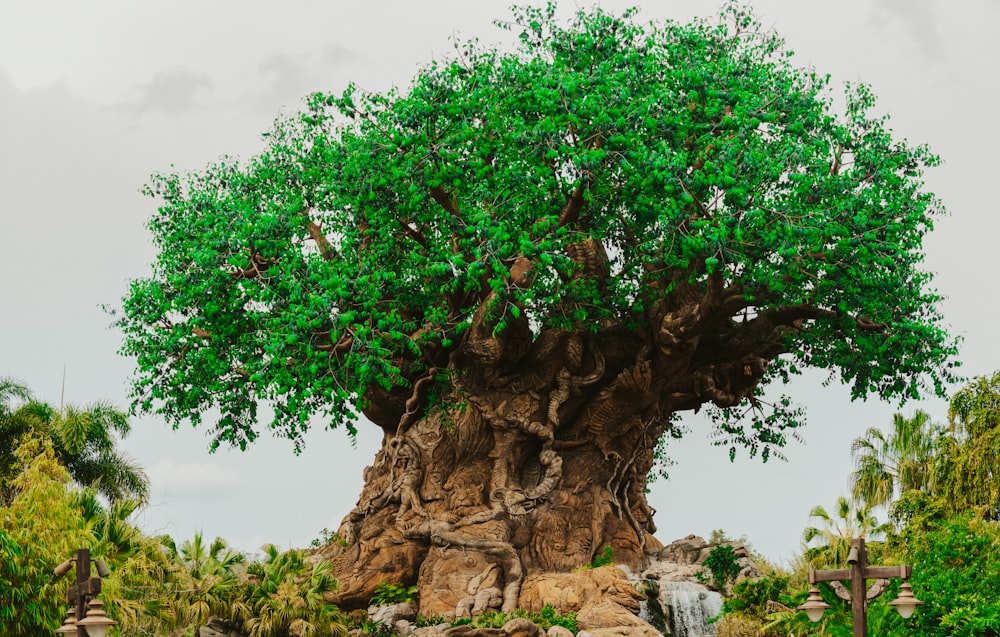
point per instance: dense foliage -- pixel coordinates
(941, 485)
(599, 177)
(84, 439)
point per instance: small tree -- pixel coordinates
(39, 529)
(969, 460)
(849, 520)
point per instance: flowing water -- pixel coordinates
(681, 609)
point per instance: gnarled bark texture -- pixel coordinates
(534, 456)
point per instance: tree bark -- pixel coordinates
(519, 469)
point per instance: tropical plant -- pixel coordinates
(207, 581)
(38, 529)
(723, 565)
(85, 441)
(969, 459)
(786, 619)
(833, 539)
(754, 597)
(738, 625)
(606, 557)
(287, 597)
(390, 593)
(580, 239)
(545, 618)
(12, 428)
(903, 460)
(955, 565)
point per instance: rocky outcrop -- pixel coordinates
(683, 560)
(572, 592)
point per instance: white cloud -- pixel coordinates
(193, 479)
(172, 92)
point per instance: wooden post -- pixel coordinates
(82, 583)
(859, 592)
(858, 574)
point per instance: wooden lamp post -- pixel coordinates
(859, 595)
(84, 620)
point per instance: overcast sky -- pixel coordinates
(97, 95)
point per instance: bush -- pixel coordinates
(723, 564)
(751, 596)
(545, 618)
(739, 625)
(389, 593)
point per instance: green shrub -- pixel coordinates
(545, 618)
(723, 564)
(389, 593)
(604, 558)
(751, 596)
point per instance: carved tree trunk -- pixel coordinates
(537, 470)
(520, 454)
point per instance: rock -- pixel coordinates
(558, 631)
(517, 627)
(521, 627)
(570, 592)
(389, 614)
(431, 631)
(684, 551)
(621, 631)
(403, 627)
(216, 627)
(607, 613)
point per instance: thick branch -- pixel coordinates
(325, 249)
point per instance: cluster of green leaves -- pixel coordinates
(605, 558)
(723, 565)
(39, 528)
(831, 541)
(954, 466)
(288, 597)
(751, 596)
(84, 439)
(326, 536)
(376, 230)
(391, 593)
(545, 618)
(941, 487)
(955, 563)
(969, 459)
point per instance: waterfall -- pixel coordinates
(680, 609)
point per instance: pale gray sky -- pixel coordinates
(96, 95)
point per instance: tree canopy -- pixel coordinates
(683, 185)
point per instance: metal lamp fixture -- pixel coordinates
(69, 626)
(905, 603)
(83, 619)
(96, 623)
(814, 605)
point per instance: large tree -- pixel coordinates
(522, 267)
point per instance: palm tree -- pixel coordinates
(849, 522)
(12, 429)
(903, 460)
(85, 441)
(208, 581)
(288, 598)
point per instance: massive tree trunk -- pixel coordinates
(532, 458)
